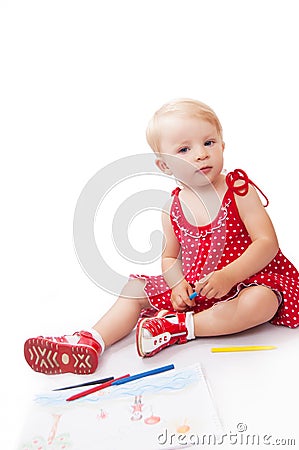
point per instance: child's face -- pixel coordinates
(191, 149)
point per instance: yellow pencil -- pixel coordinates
(246, 348)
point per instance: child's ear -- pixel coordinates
(163, 166)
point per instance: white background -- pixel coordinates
(78, 83)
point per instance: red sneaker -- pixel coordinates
(154, 334)
(53, 355)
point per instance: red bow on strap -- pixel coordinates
(242, 189)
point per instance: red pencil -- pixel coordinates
(94, 389)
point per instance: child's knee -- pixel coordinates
(260, 302)
(134, 290)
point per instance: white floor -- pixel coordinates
(255, 393)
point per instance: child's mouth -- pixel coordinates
(204, 170)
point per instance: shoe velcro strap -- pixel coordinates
(182, 327)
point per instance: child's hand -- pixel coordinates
(180, 296)
(214, 285)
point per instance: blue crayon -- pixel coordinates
(142, 375)
(192, 296)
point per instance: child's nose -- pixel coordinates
(201, 153)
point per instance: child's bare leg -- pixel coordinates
(253, 306)
(123, 315)
(79, 353)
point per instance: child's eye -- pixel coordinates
(209, 143)
(183, 150)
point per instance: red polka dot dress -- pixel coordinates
(211, 247)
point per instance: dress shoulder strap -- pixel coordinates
(242, 189)
(176, 191)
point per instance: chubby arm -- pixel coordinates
(260, 252)
(264, 244)
(172, 266)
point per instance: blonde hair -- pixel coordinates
(183, 107)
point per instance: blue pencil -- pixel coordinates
(142, 375)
